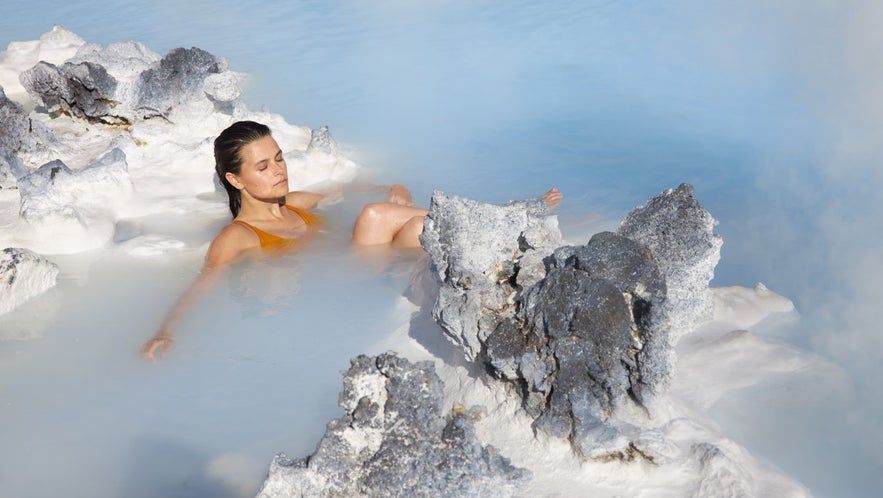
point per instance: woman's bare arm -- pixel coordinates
(304, 200)
(234, 241)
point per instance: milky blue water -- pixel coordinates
(772, 112)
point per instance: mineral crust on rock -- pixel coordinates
(53, 191)
(18, 134)
(394, 441)
(679, 232)
(483, 254)
(125, 82)
(582, 332)
(23, 276)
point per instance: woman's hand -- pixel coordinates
(162, 342)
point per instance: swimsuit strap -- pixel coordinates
(312, 220)
(271, 241)
(266, 239)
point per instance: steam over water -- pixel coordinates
(772, 112)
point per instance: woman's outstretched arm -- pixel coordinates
(161, 342)
(228, 246)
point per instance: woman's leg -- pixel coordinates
(389, 223)
(398, 223)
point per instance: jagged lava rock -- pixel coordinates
(125, 82)
(588, 340)
(23, 275)
(394, 441)
(482, 254)
(586, 336)
(14, 124)
(18, 134)
(679, 232)
(180, 76)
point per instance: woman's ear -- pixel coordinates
(233, 180)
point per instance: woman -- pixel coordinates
(268, 218)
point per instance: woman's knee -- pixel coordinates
(369, 225)
(409, 234)
(371, 214)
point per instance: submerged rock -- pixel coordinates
(394, 441)
(583, 332)
(679, 232)
(23, 276)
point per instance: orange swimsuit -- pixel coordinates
(270, 242)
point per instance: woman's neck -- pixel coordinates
(262, 209)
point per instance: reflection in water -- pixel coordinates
(265, 286)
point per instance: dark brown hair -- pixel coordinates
(228, 155)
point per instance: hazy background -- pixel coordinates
(772, 110)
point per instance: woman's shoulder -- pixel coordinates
(303, 200)
(232, 242)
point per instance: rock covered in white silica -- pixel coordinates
(126, 82)
(18, 135)
(395, 441)
(23, 276)
(583, 332)
(53, 191)
(482, 254)
(679, 232)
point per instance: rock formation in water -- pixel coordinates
(53, 191)
(582, 332)
(125, 82)
(394, 441)
(23, 276)
(679, 233)
(18, 134)
(484, 254)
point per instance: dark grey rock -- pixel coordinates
(14, 125)
(598, 327)
(23, 276)
(83, 89)
(394, 441)
(582, 332)
(178, 77)
(679, 233)
(18, 135)
(126, 82)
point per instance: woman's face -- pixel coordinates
(263, 174)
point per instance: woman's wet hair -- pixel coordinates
(228, 155)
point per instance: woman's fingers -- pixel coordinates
(164, 344)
